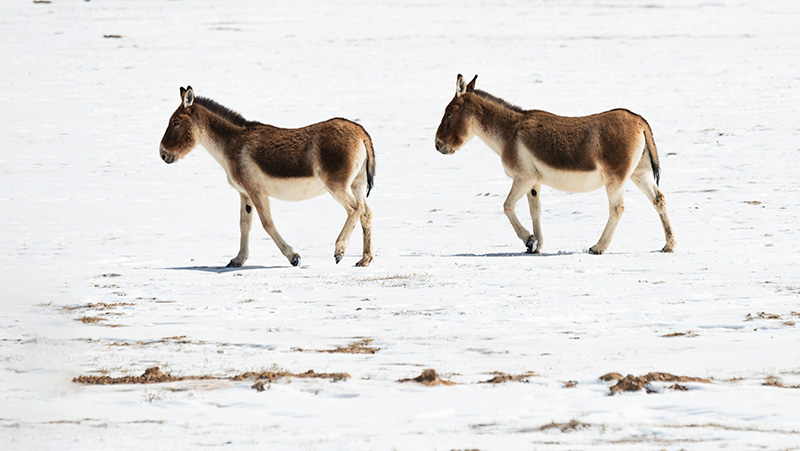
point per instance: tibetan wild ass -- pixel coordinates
(574, 154)
(262, 161)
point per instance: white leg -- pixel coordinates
(261, 202)
(245, 221)
(518, 189)
(616, 206)
(345, 197)
(648, 186)
(536, 214)
(366, 227)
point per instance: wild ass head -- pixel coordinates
(183, 131)
(456, 128)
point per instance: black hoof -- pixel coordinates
(233, 265)
(530, 244)
(338, 258)
(296, 260)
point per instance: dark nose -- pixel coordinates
(166, 156)
(439, 143)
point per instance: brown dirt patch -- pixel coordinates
(150, 376)
(358, 347)
(638, 383)
(90, 319)
(271, 376)
(428, 377)
(570, 384)
(688, 334)
(762, 315)
(154, 376)
(98, 306)
(572, 425)
(611, 377)
(500, 378)
(772, 381)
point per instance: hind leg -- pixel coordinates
(344, 195)
(245, 221)
(616, 206)
(360, 191)
(647, 184)
(536, 214)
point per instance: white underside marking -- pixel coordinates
(569, 181)
(216, 153)
(292, 189)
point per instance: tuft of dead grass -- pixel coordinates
(358, 347)
(90, 319)
(154, 375)
(762, 315)
(428, 377)
(611, 377)
(500, 378)
(570, 426)
(772, 381)
(633, 383)
(688, 334)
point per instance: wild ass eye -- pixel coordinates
(176, 123)
(450, 113)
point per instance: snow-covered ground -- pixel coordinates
(90, 215)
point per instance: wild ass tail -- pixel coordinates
(650, 146)
(370, 162)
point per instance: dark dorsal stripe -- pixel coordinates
(498, 100)
(223, 111)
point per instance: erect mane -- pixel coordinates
(497, 100)
(223, 111)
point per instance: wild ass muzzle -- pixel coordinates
(573, 154)
(262, 161)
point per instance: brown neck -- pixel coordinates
(494, 123)
(215, 128)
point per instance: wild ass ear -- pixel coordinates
(188, 96)
(471, 85)
(461, 86)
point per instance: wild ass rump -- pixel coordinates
(262, 161)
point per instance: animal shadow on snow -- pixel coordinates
(221, 269)
(519, 254)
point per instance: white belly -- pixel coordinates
(292, 189)
(571, 181)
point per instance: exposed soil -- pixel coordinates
(151, 376)
(570, 384)
(90, 319)
(154, 375)
(772, 381)
(688, 333)
(572, 425)
(271, 376)
(98, 306)
(500, 378)
(762, 315)
(358, 347)
(638, 383)
(428, 377)
(611, 377)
